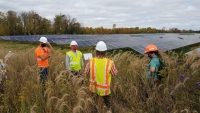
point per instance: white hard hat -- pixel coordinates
(101, 46)
(73, 43)
(43, 39)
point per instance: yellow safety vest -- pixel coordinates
(100, 76)
(75, 61)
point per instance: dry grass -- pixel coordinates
(131, 91)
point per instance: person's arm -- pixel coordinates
(152, 67)
(151, 71)
(41, 56)
(51, 48)
(113, 70)
(44, 57)
(67, 63)
(82, 63)
(87, 68)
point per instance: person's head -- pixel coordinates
(151, 50)
(43, 41)
(74, 45)
(101, 48)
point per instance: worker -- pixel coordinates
(2, 71)
(3, 67)
(43, 54)
(74, 61)
(100, 69)
(154, 64)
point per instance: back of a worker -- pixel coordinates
(101, 70)
(101, 76)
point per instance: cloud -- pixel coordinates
(183, 14)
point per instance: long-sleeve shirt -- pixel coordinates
(67, 62)
(113, 70)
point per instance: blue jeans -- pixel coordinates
(43, 74)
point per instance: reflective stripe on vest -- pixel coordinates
(75, 61)
(107, 74)
(100, 88)
(93, 75)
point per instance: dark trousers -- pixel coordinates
(75, 72)
(43, 74)
(107, 100)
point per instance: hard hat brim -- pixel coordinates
(73, 45)
(43, 42)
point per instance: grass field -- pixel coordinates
(132, 92)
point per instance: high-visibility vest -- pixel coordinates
(100, 76)
(75, 60)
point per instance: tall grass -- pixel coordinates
(132, 92)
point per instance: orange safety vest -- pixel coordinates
(100, 76)
(39, 51)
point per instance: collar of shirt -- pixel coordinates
(74, 52)
(154, 57)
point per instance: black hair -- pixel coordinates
(157, 53)
(100, 53)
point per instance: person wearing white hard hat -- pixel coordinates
(101, 69)
(43, 54)
(74, 61)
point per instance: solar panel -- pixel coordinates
(138, 42)
(6, 38)
(196, 51)
(30, 40)
(13, 38)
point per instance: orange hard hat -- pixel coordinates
(151, 48)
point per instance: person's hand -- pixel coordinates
(71, 73)
(48, 55)
(149, 73)
(48, 43)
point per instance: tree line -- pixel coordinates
(31, 23)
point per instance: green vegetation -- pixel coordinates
(22, 93)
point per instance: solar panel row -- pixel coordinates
(138, 42)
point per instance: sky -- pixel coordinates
(181, 14)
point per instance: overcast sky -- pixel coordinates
(182, 14)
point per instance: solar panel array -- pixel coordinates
(196, 51)
(137, 42)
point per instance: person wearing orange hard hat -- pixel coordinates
(154, 64)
